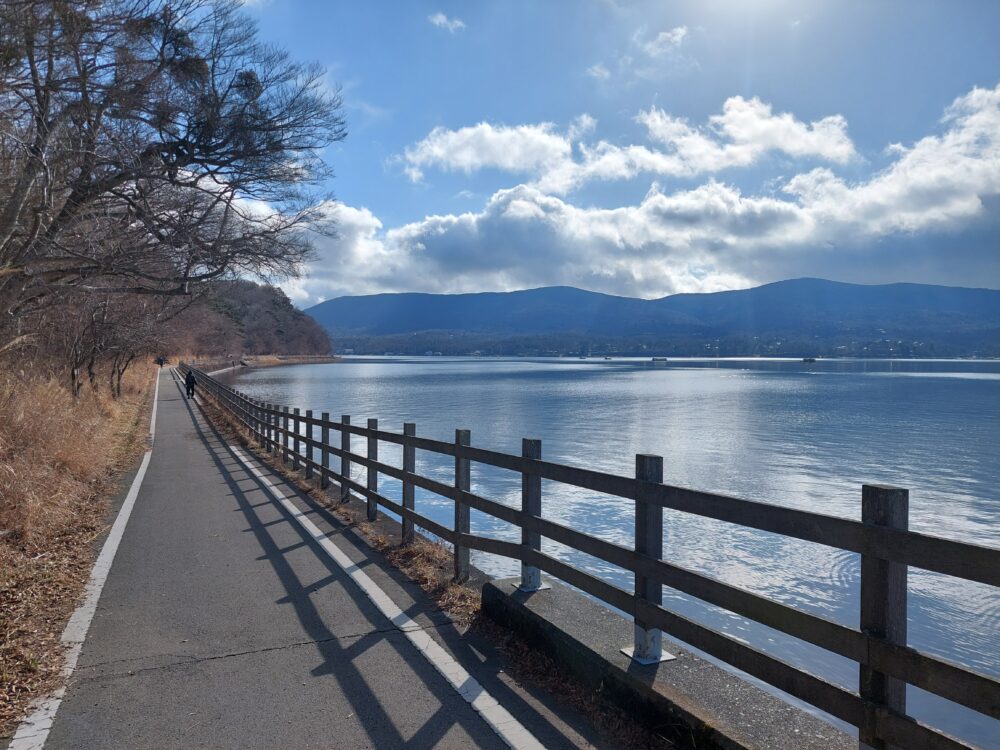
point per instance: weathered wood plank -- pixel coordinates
(409, 468)
(904, 731)
(531, 505)
(883, 610)
(324, 475)
(372, 470)
(463, 483)
(647, 647)
(345, 460)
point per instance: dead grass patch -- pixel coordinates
(58, 462)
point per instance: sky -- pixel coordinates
(651, 148)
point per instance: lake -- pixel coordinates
(803, 435)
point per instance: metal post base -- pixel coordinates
(664, 656)
(543, 586)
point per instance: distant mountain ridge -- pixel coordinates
(822, 316)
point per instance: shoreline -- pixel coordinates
(261, 361)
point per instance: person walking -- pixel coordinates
(189, 383)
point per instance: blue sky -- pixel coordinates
(654, 148)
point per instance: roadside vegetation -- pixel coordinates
(59, 458)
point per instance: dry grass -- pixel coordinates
(429, 564)
(58, 460)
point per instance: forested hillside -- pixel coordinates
(241, 317)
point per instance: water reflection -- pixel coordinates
(785, 432)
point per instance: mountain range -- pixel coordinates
(798, 317)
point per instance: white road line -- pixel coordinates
(152, 419)
(499, 719)
(34, 730)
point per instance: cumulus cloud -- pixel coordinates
(524, 148)
(705, 238)
(523, 237)
(744, 132)
(940, 180)
(451, 25)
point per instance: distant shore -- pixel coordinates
(289, 359)
(264, 360)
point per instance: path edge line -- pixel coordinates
(34, 729)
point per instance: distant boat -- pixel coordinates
(659, 361)
(607, 357)
(808, 359)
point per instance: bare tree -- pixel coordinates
(148, 145)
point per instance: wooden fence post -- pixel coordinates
(268, 429)
(409, 466)
(883, 609)
(463, 483)
(295, 440)
(272, 435)
(284, 434)
(648, 647)
(345, 462)
(262, 424)
(324, 438)
(531, 505)
(372, 472)
(309, 450)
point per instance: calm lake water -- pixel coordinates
(783, 432)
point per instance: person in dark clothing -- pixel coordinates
(189, 383)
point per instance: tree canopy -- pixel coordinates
(148, 147)
(149, 144)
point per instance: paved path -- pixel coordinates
(224, 624)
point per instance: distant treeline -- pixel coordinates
(796, 317)
(772, 345)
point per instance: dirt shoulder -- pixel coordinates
(58, 493)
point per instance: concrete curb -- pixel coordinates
(689, 700)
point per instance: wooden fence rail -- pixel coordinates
(887, 548)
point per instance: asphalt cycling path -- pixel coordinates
(225, 621)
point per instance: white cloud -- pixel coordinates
(706, 238)
(940, 180)
(663, 43)
(524, 148)
(746, 131)
(582, 125)
(599, 72)
(451, 25)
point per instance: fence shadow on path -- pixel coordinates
(338, 653)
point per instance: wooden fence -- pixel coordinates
(887, 548)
